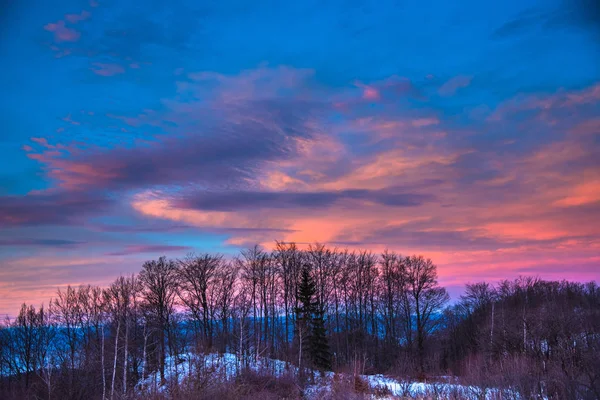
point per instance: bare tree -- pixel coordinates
(120, 299)
(197, 274)
(160, 284)
(67, 310)
(289, 261)
(525, 338)
(223, 295)
(428, 299)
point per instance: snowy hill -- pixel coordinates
(225, 367)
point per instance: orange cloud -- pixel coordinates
(582, 193)
(493, 212)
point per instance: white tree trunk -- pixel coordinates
(125, 355)
(144, 357)
(103, 369)
(114, 373)
(241, 342)
(49, 377)
(300, 349)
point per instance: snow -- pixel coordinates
(224, 367)
(440, 390)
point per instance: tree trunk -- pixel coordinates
(103, 368)
(144, 354)
(112, 385)
(125, 357)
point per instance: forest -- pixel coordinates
(321, 311)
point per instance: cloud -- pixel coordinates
(39, 242)
(142, 227)
(420, 122)
(522, 23)
(60, 208)
(549, 106)
(245, 200)
(580, 14)
(369, 92)
(35, 279)
(62, 33)
(107, 69)
(481, 198)
(265, 155)
(75, 18)
(158, 249)
(239, 132)
(452, 85)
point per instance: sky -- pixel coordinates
(468, 132)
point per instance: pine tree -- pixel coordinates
(320, 353)
(304, 314)
(310, 326)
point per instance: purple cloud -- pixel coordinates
(151, 248)
(225, 149)
(247, 200)
(39, 242)
(60, 208)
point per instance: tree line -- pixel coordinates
(319, 308)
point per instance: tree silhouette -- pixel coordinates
(310, 318)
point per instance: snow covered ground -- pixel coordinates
(223, 367)
(220, 366)
(438, 390)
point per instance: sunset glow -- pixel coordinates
(134, 132)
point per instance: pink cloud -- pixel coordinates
(369, 92)
(62, 33)
(587, 95)
(507, 225)
(393, 87)
(20, 280)
(156, 249)
(546, 103)
(451, 86)
(70, 120)
(107, 69)
(42, 141)
(503, 210)
(75, 18)
(417, 123)
(260, 83)
(589, 127)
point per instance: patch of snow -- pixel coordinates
(224, 367)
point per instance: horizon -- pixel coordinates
(469, 134)
(454, 291)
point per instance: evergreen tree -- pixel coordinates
(319, 345)
(304, 313)
(310, 324)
